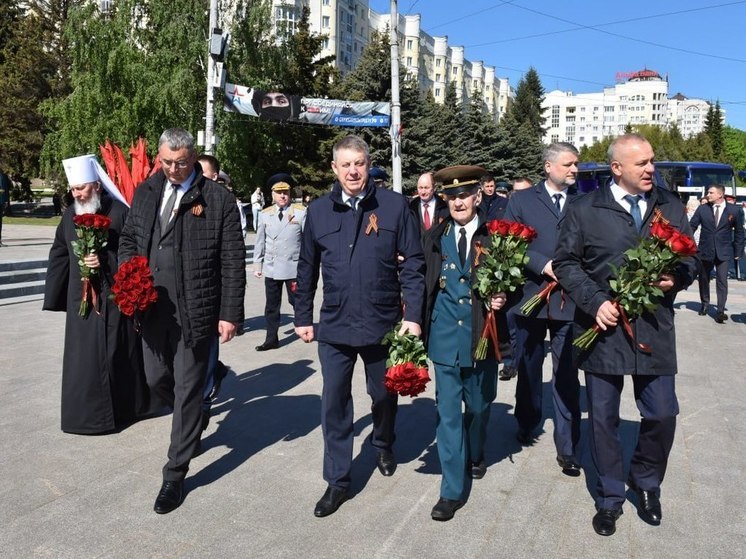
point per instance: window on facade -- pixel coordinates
(555, 138)
(570, 118)
(455, 71)
(437, 92)
(326, 2)
(325, 21)
(409, 61)
(555, 116)
(409, 44)
(570, 110)
(437, 62)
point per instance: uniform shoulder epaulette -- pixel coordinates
(299, 207)
(268, 210)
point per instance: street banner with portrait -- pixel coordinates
(277, 106)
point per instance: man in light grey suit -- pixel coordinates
(276, 252)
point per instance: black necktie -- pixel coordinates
(634, 209)
(168, 209)
(462, 246)
(279, 214)
(557, 202)
(353, 203)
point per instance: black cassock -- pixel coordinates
(103, 385)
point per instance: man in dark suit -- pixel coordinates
(544, 207)
(493, 204)
(598, 229)
(428, 208)
(189, 229)
(720, 241)
(453, 324)
(353, 236)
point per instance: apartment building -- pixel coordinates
(430, 60)
(642, 98)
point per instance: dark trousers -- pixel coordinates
(530, 334)
(176, 377)
(656, 400)
(461, 435)
(337, 364)
(721, 282)
(273, 293)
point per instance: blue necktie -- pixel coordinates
(634, 210)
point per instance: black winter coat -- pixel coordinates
(594, 235)
(209, 251)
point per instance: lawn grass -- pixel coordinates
(52, 220)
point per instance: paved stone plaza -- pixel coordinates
(252, 491)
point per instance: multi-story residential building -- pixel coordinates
(429, 60)
(586, 118)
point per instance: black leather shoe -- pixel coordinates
(524, 436)
(569, 464)
(650, 506)
(331, 501)
(267, 345)
(508, 372)
(604, 522)
(221, 371)
(477, 469)
(721, 317)
(702, 310)
(386, 462)
(444, 509)
(169, 497)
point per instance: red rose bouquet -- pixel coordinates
(133, 290)
(633, 291)
(499, 269)
(93, 232)
(407, 364)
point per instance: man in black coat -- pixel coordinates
(428, 209)
(354, 237)
(544, 208)
(720, 242)
(493, 204)
(189, 229)
(598, 229)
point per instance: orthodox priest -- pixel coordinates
(102, 363)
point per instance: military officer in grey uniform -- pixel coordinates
(276, 251)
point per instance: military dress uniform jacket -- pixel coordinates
(435, 259)
(277, 244)
(534, 207)
(595, 234)
(722, 241)
(363, 282)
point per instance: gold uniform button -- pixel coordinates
(462, 280)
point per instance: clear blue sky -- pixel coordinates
(580, 45)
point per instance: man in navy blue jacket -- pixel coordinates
(544, 207)
(355, 236)
(720, 241)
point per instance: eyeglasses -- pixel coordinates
(182, 164)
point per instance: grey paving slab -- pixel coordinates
(252, 491)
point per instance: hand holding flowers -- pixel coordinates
(640, 283)
(407, 363)
(93, 232)
(499, 270)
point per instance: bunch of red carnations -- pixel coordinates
(133, 290)
(499, 269)
(407, 373)
(632, 285)
(93, 233)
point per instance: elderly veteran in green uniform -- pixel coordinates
(276, 252)
(454, 321)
